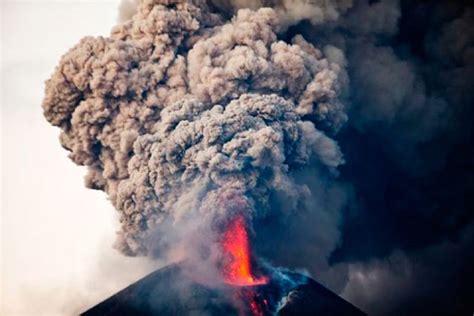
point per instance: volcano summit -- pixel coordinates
(168, 291)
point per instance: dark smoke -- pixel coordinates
(187, 103)
(407, 234)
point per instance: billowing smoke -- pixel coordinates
(180, 107)
(192, 111)
(293, 11)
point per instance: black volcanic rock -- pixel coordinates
(314, 299)
(168, 291)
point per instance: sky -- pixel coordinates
(50, 250)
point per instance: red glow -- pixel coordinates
(258, 305)
(255, 308)
(237, 269)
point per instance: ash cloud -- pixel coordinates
(186, 102)
(436, 280)
(293, 11)
(181, 107)
(408, 150)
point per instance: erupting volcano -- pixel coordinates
(199, 128)
(237, 266)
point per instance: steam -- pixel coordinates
(180, 107)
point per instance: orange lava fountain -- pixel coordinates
(237, 267)
(236, 245)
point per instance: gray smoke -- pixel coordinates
(181, 107)
(293, 11)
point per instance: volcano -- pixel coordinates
(169, 291)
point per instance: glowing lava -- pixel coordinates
(237, 269)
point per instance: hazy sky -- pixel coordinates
(51, 250)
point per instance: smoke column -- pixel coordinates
(192, 113)
(185, 118)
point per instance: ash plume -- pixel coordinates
(179, 103)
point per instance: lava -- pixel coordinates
(237, 268)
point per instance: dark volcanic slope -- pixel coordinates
(168, 292)
(315, 299)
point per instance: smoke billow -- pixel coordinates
(408, 150)
(192, 111)
(293, 11)
(181, 106)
